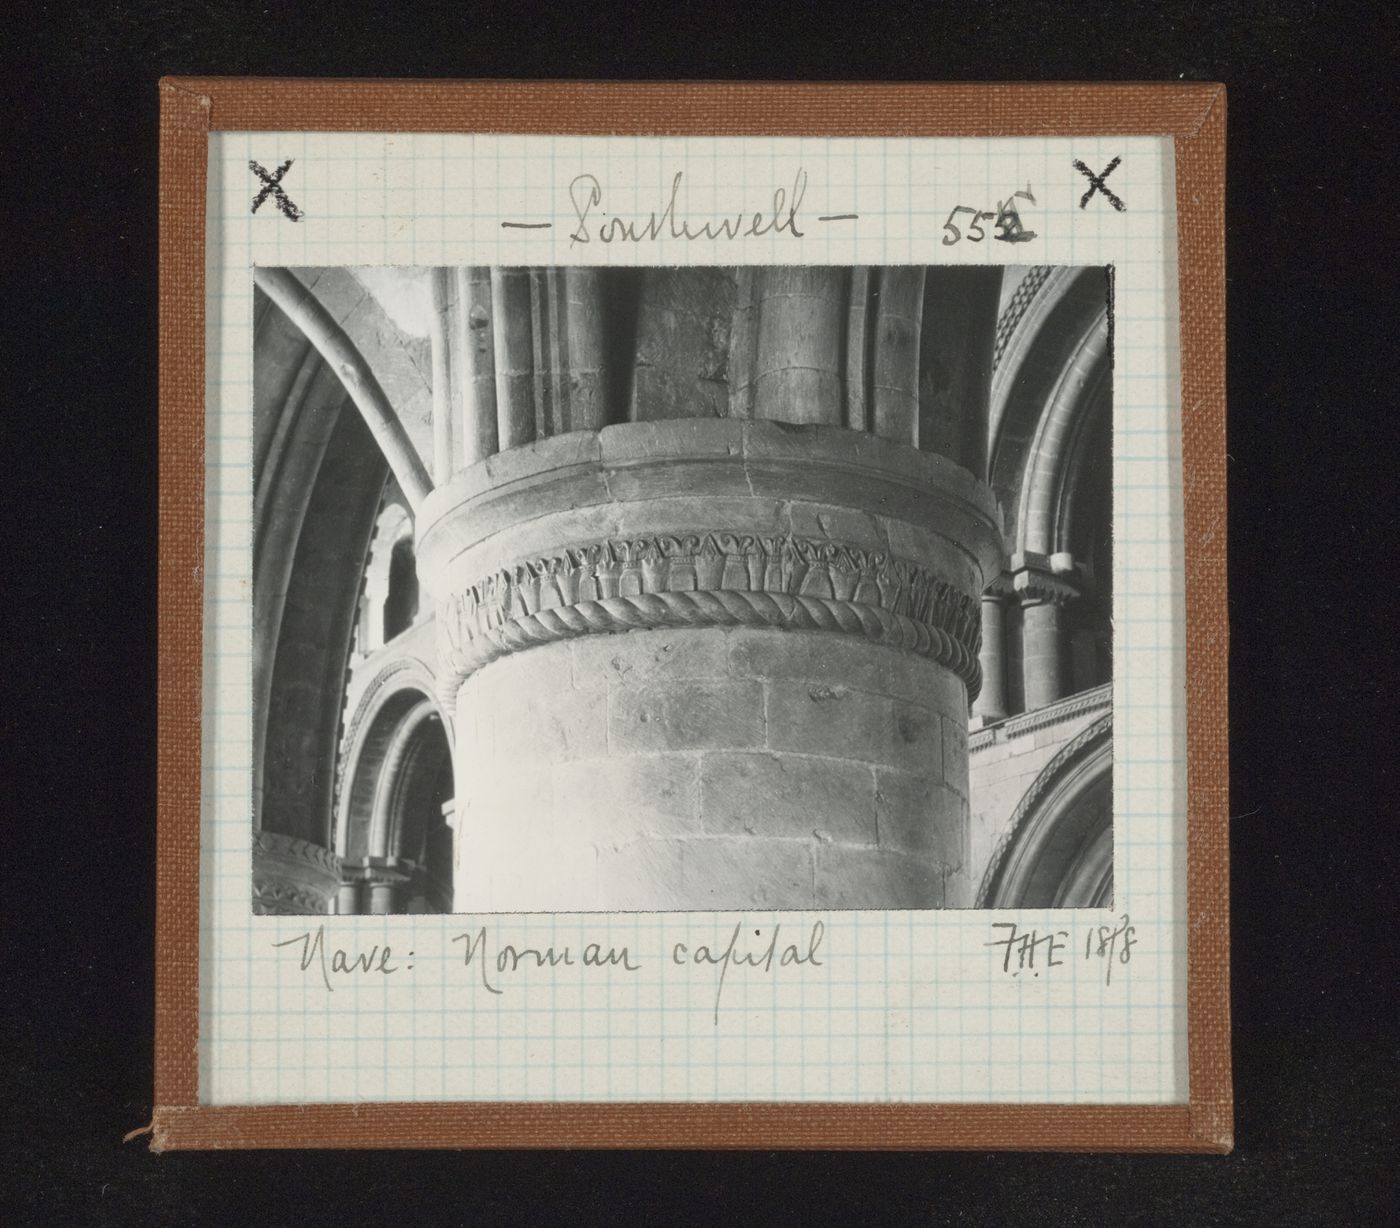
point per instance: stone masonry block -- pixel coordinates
(920, 816)
(561, 878)
(821, 718)
(705, 479)
(546, 669)
(917, 738)
(646, 874)
(650, 656)
(955, 759)
(510, 806)
(685, 715)
(826, 522)
(839, 722)
(800, 796)
(612, 801)
(847, 660)
(935, 551)
(558, 722)
(874, 878)
(747, 872)
(628, 442)
(574, 449)
(715, 514)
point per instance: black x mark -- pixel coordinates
(1096, 183)
(272, 186)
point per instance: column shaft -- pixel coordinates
(588, 378)
(895, 388)
(476, 345)
(991, 702)
(381, 898)
(513, 337)
(439, 333)
(1042, 653)
(802, 315)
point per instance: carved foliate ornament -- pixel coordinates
(711, 579)
(292, 876)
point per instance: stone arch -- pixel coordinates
(298, 402)
(1051, 375)
(1057, 850)
(307, 571)
(392, 827)
(390, 596)
(319, 470)
(1057, 454)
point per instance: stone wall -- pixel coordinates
(1006, 758)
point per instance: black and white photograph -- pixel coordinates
(664, 589)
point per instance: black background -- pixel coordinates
(1312, 213)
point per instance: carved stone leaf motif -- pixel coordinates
(281, 867)
(710, 562)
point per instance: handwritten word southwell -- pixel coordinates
(586, 196)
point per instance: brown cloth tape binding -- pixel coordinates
(1193, 114)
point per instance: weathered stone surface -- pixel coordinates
(841, 722)
(682, 343)
(919, 815)
(612, 801)
(844, 471)
(657, 758)
(647, 874)
(530, 701)
(650, 656)
(955, 754)
(853, 878)
(748, 872)
(830, 522)
(696, 438)
(689, 715)
(803, 797)
(845, 661)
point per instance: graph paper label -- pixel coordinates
(986, 906)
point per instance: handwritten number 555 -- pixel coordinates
(1005, 219)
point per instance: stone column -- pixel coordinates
(991, 702)
(710, 664)
(1042, 651)
(1045, 585)
(385, 880)
(381, 897)
(348, 900)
